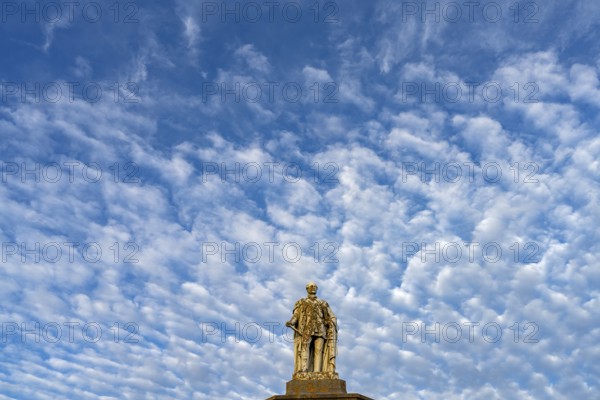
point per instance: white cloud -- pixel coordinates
(255, 59)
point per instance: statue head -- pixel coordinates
(311, 288)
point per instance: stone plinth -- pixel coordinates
(315, 386)
(321, 389)
(347, 396)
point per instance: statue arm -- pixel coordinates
(330, 316)
(295, 315)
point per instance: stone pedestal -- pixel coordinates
(348, 396)
(321, 389)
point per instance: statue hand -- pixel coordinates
(289, 323)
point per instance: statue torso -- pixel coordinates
(312, 316)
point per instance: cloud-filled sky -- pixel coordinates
(174, 173)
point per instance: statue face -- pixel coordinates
(311, 288)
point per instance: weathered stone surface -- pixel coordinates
(307, 376)
(315, 386)
(315, 335)
(346, 396)
(321, 389)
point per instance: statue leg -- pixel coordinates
(319, 341)
(297, 355)
(304, 355)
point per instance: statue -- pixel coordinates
(315, 349)
(315, 337)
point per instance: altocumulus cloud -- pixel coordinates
(379, 191)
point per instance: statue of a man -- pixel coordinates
(315, 338)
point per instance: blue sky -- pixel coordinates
(173, 174)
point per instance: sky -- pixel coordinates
(173, 173)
